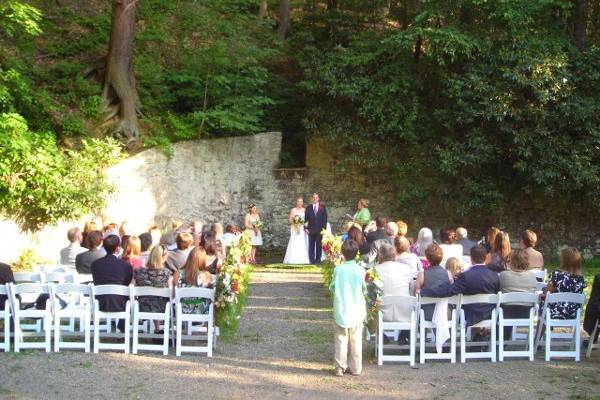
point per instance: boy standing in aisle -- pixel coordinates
(350, 311)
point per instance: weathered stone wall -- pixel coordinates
(212, 180)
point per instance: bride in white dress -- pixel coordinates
(297, 249)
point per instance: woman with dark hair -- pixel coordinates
(500, 260)
(253, 225)
(354, 233)
(449, 248)
(214, 256)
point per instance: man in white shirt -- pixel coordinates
(69, 253)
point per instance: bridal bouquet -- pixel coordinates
(298, 223)
(257, 224)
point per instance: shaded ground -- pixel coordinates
(283, 349)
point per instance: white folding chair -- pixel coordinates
(410, 303)
(58, 277)
(594, 342)
(522, 299)
(206, 321)
(45, 315)
(164, 317)
(540, 274)
(27, 277)
(5, 317)
(76, 308)
(572, 339)
(424, 325)
(47, 269)
(491, 299)
(118, 290)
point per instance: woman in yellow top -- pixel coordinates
(363, 215)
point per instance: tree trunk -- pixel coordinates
(264, 9)
(580, 23)
(120, 96)
(284, 19)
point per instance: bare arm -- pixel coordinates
(420, 282)
(247, 223)
(450, 277)
(290, 217)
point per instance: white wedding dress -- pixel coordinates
(297, 249)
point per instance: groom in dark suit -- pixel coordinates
(316, 220)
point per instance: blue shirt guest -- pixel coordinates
(350, 311)
(479, 279)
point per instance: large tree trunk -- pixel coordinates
(264, 9)
(120, 96)
(580, 23)
(284, 18)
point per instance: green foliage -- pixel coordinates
(480, 105)
(40, 184)
(16, 16)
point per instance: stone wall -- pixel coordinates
(212, 180)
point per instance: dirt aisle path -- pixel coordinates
(283, 349)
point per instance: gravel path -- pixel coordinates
(284, 349)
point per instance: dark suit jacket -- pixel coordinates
(479, 279)
(83, 261)
(467, 245)
(6, 276)
(376, 235)
(318, 222)
(592, 311)
(110, 270)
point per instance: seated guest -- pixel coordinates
(347, 227)
(6, 276)
(478, 279)
(424, 239)
(464, 241)
(111, 270)
(391, 231)
(83, 261)
(448, 246)
(396, 279)
(178, 257)
(517, 279)
(156, 234)
(168, 238)
(124, 230)
(111, 229)
(454, 266)
(156, 275)
(196, 274)
(500, 260)
(197, 228)
(534, 257)
(87, 228)
(217, 229)
(69, 253)
(490, 239)
(132, 253)
(402, 228)
(145, 247)
(592, 310)
(433, 276)
(214, 255)
(568, 278)
(404, 256)
(379, 232)
(362, 215)
(229, 238)
(354, 233)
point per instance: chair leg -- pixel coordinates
(57, 333)
(548, 339)
(501, 340)
(48, 331)
(379, 345)
(578, 343)
(530, 335)
(7, 331)
(136, 333)
(127, 330)
(178, 335)
(422, 333)
(96, 333)
(463, 344)
(453, 342)
(493, 336)
(413, 344)
(591, 343)
(86, 332)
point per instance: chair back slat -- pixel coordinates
(565, 297)
(194, 292)
(518, 297)
(21, 277)
(399, 300)
(120, 290)
(151, 291)
(58, 277)
(4, 289)
(434, 300)
(483, 298)
(73, 288)
(21, 288)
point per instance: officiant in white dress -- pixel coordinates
(297, 249)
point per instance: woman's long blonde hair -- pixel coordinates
(133, 247)
(157, 257)
(195, 263)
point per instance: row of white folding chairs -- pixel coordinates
(58, 275)
(457, 324)
(81, 308)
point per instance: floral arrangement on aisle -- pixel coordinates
(232, 285)
(372, 296)
(332, 247)
(298, 223)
